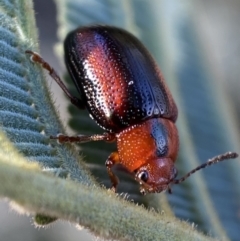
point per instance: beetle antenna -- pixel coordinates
(214, 160)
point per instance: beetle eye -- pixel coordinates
(143, 175)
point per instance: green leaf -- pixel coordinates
(111, 217)
(27, 115)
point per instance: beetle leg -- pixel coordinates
(81, 138)
(35, 57)
(111, 161)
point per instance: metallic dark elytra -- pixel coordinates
(125, 93)
(117, 77)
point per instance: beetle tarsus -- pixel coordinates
(111, 161)
(36, 58)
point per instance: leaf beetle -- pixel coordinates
(125, 93)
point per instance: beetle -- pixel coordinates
(125, 93)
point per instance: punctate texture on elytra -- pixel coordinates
(117, 77)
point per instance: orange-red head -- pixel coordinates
(156, 175)
(149, 150)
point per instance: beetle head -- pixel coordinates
(156, 175)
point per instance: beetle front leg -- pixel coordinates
(112, 160)
(35, 57)
(81, 138)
